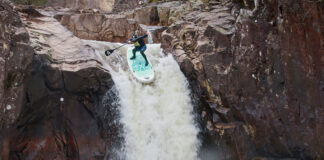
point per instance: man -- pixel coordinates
(139, 46)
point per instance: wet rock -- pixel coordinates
(112, 28)
(54, 78)
(86, 80)
(102, 5)
(117, 27)
(159, 14)
(254, 69)
(71, 128)
(157, 35)
(62, 113)
(215, 118)
(147, 16)
(15, 58)
(71, 71)
(42, 133)
(121, 5)
(204, 47)
(30, 11)
(120, 26)
(176, 11)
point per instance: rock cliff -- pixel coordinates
(112, 28)
(119, 27)
(53, 99)
(15, 57)
(258, 72)
(100, 5)
(255, 69)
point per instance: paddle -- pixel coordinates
(110, 51)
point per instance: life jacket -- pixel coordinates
(140, 41)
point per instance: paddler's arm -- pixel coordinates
(141, 37)
(144, 36)
(134, 40)
(129, 40)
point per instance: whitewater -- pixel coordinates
(157, 118)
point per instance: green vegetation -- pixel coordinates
(30, 2)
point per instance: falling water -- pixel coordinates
(157, 118)
(150, 31)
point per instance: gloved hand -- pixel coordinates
(129, 41)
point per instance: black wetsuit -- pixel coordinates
(139, 46)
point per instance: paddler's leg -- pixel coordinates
(143, 48)
(134, 53)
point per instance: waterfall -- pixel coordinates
(157, 118)
(150, 31)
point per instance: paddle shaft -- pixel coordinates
(120, 46)
(133, 40)
(112, 50)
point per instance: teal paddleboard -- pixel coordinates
(142, 73)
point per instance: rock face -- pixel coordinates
(63, 100)
(15, 57)
(51, 129)
(121, 5)
(161, 14)
(120, 26)
(112, 28)
(103, 5)
(259, 75)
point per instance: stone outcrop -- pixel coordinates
(120, 26)
(159, 14)
(122, 5)
(64, 102)
(112, 28)
(258, 74)
(51, 129)
(100, 5)
(15, 57)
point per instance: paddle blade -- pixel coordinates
(108, 52)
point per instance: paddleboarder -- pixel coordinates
(140, 45)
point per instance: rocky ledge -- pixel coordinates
(257, 71)
(118, 27)
(54, 102)
(15, 57)
(99, 5)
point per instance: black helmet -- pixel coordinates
(134, 36)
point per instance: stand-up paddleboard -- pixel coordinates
(142, 73)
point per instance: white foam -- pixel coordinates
(157, 118)
(150, 31)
